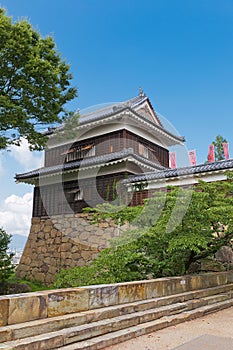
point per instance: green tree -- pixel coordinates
(34, 83)
(206, 226)
(153, 249)
(6, 266)
(218, 148)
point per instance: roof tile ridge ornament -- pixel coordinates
(141, 92)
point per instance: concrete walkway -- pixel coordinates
(211, 332)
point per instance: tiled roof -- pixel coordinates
(169, 173)
(108, 111)
(96, 117)
(92, 161)
(100, 114)
(115, 107)
(104, 112)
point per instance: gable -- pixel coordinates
(147, 111)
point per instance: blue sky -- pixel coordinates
(180, 52)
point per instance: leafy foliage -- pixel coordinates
(6, 267)
(153, 249)
(34, 83)
(16, 285)
(111, 266)
(117, 213)
(218, 148)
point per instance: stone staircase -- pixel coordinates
(115, 312)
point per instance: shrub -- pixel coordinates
(162, 245)
(6, 266)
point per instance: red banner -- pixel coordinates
(225, 150)
(192, 157)
(211, 156)
(172, 160)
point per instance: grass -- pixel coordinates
(22, 285)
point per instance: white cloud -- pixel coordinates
(15, 214)
(29, 160)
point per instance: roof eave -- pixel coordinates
(126, 155)
(174, 139)
(216, 167)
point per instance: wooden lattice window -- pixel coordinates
(80, 152)
(143, 150)
(76, 194)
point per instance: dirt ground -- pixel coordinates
(218, 324)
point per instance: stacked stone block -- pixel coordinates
(62, 242)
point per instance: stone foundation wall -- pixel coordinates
(62, 242)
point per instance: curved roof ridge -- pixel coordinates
(187, 170)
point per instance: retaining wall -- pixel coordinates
(39, 305)
(62, 242)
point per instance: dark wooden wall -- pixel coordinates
(50, 200)
(57, 199)
(138, 196)
(112, 142)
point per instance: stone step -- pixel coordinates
(197, 294)
(85, 333)
(33, 328)
(217, 298)
(117, 337)
(195, 303)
